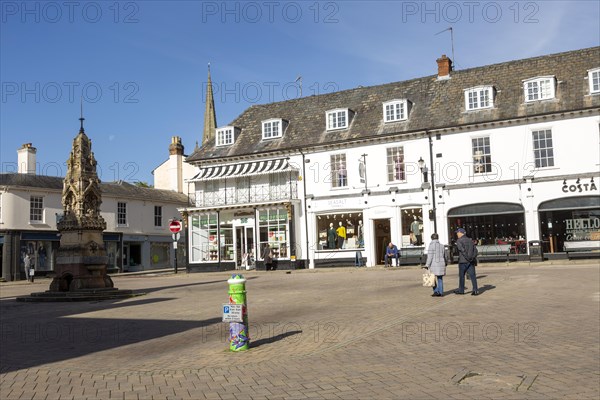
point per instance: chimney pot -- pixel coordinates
(26, 159)
(444, 67)
(176, 148)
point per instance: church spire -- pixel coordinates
(210, 118)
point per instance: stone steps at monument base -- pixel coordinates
(80, 295)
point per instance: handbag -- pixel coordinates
(429, 279)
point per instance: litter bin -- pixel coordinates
(535, 251)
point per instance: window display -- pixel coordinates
(203, 238)
(273, 229)
(412, 227)
(340, 231)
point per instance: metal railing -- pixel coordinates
(253, 194)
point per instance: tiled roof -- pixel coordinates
(117, 189)
(435, 104)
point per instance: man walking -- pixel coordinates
(467, 259)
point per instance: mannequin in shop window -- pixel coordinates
(342, 175)
(415, 230)
(341, 235)
(360, 230)
(331, 237)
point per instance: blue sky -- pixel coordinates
(141, 66)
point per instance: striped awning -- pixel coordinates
(243, 169)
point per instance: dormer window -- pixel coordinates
(594, 80)
(540, 88)
(225, 135)
(337, 119)
(272, 128)
(395, 110)
(478, 98)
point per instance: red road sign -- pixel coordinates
(175, 226)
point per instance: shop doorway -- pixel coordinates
(244, 247)
(381, 228)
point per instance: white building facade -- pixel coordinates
(137, 236)
(510, 152)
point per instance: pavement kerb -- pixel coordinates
(169, 271)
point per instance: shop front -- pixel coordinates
(491, 224)
(340, 238)
(570, 224)
(227, 239)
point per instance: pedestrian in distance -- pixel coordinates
(268, 257)
(27, 265)
(436, 263)
(391, 251)
(467, 259)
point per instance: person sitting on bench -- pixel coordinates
(392, 252)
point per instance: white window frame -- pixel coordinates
(396, 167)
(476, 93)
(268, 128)
(339, 176)
(121, 210)
(34, 199)
(545, 87)
(225, 136)
(399, 110)
(334, 124)
(546, 148)
(591, 73)
(482, 163)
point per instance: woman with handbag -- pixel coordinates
(436, 263)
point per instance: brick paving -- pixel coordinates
(534, 333)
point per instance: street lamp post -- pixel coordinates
(425, 171)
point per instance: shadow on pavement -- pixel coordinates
(34, 334)
(273, 339)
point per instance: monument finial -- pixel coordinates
(81, 119)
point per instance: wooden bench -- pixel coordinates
(582, 248)
(412, 255)
(493, 252)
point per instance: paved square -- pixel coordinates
(533, 333)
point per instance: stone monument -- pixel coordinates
(81, 259)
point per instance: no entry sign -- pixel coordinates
(175, 226)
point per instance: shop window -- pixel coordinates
(395, 164)
(339, 173)
(493, 229)
(340, 231)
(36, 209)
(204, 245)
(226, 242)
(160, 255)
(412, 227)
(561, 226)
(482, 158)
(273, 229)
(112, 251)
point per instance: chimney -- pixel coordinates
(176, 148)
(444, 67)
(26, 159)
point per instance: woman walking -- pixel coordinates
(436, 263)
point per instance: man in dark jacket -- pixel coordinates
(467, 259)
